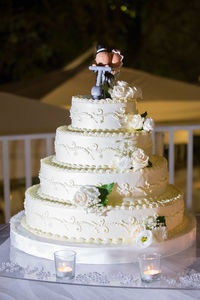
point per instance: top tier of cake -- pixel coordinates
(105, 114)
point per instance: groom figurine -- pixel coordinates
(106, 65)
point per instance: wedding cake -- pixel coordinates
(103, 186)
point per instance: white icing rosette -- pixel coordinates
(135, 122)
(121, 91)
(139, 160)
(144, 238)
(122, 83)
(123, 163)
(86, 196)
(148, 124)
(131, 158)
(139, 122)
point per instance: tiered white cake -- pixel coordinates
(103, 185)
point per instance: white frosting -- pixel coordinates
(118, 225)
(38, 243)
(60, 182)
(104, 114)
(97, 148)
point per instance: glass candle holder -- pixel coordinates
(65, 263)
(150, 267)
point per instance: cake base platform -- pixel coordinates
(28, 242)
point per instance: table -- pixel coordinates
(26, 277)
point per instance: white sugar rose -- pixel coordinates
(122, 83)
(129, 93)
(118, 92)
(139, 160)
(121, 91)
(87, 196)
(144, 238)
(135, 122)
(123, 163)
(149, 124)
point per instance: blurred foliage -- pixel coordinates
(158, 36)
(171, 39)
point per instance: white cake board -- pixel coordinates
(27, 242)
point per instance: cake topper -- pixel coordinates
(107, 66)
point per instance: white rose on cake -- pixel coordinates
(121, 91)
(139, 160)
(140, 122)
(87, 196)
(135, 122)
(123, 163)
(122, 83)
(148, 124)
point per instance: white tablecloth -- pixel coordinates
(21, 289)
(17, 289)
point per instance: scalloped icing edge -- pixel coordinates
(79, 240)
(95, 169)
(87, 98)
(101, 133)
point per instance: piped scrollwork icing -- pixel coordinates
(77, 225)
(92, 151)
(99, 117)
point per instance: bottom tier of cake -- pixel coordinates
(121, 223)
(40, 246)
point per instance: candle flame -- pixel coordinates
(151, 271)
(65, 269)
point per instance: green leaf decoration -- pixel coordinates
(161, 221)
(108, 187)
(149, 164)
(103, 196)
(104, 191)
(144, 114)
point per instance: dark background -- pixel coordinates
(158, 36)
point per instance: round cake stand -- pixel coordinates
(28, 242)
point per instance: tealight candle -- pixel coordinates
(150, 267)
(151, 274)
(64, 270)
(65, 263)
